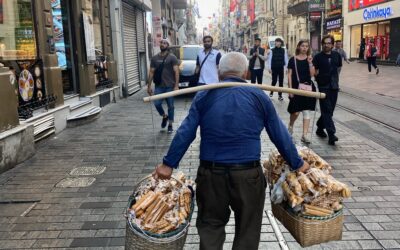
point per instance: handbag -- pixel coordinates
(201, 66)
(305, 85)
(157, 79)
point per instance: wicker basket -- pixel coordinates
(309, 231)
(138, 239)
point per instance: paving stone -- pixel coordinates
(386, 235)
(390, 244)
(16, 244)
(369, 244)
(87, 205)
(99, 225)
(356, 235)
(53, 243)
(110, 233)
(90, 242)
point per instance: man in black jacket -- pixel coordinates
(257, 62)
(277, 63)
(326, 64)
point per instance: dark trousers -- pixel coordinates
(277, 73)
(371, 61)
(218, 192)
(257, 74)
(327, 107)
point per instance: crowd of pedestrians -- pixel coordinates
(301, 69)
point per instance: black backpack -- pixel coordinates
(157, 79)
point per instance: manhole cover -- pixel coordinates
(88, 170)
(74, 182)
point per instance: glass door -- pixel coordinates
(64, 45)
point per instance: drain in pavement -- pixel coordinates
(364, 188)
(96, 170)
(75, 182)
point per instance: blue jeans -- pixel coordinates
(170, 102)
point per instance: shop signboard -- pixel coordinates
(315, 16)
(316, 5)
(333, 23)
(377, 13)
(360, 4)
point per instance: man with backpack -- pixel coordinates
(207, 62)
(278, 61)
(164, 72)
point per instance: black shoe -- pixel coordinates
(164, 122)
(280, 98)
(170, 129)
(321, 133)
(377, 70)
(332, 140)
(271, 94)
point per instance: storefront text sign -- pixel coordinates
(377, 13)
(316, 5)
(334, 24)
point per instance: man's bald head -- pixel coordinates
(233, 64)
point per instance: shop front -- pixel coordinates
(333, 27)
(379, 23)
(333, 21)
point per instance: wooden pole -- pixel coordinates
(318, 95)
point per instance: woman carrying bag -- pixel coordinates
(300, 72)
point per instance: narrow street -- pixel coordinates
(37, 211)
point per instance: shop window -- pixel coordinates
(17, 35)
(356, 50)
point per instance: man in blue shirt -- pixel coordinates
(230, 176)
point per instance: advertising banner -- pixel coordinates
(359, 4)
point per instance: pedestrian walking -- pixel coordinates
(338, 48)
(164, 71)
(257, 62)
(230, 175)
(326, 64)
(370, 56)
(300, 71)
(207, 62)
(362, 49)
(277, 63)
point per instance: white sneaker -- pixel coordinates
(305, 139)
(290, 129)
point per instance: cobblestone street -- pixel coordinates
(37, 214)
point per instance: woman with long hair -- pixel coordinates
(300, 71)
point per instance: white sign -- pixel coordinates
(89, 38)
(377, 12)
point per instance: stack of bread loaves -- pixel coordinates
(314, 193)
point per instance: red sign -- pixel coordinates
(232, 5)
(251, 10)
(359, 4)
(315, 16)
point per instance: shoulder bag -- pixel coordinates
(201, 66)
(157, 79)
(305, 85)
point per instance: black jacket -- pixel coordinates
(261, 51)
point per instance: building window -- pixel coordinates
(17, 34)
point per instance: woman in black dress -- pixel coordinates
(305, 70)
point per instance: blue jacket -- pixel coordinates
(231, 121)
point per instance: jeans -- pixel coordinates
(170, 102)
(371, 61)
(277, 73)
(327, 107)
(257, 74)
